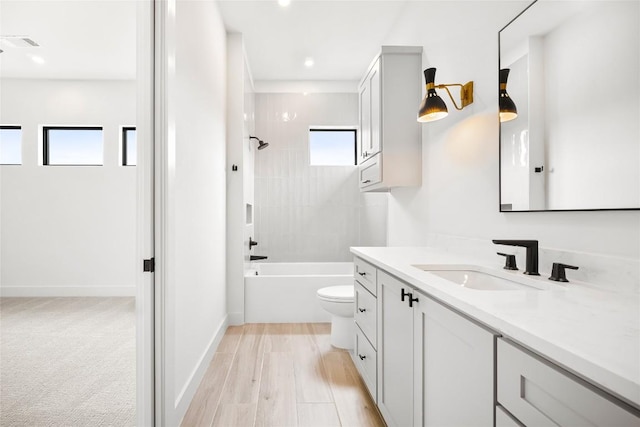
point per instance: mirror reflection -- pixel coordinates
(574, 78)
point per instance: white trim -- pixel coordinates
(67, 291)
(145, 298)
(164, 179)
(189, 390)
(305, 86)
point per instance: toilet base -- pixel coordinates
(342, 332)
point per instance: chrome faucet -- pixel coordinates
(532, 253)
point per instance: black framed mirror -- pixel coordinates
(574, 79)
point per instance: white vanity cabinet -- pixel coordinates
(395, 355)
(539, 393)
(438, 366)
(454, 361)
(365, 318)
(435, 367)
(390, 138)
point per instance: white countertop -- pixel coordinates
(590, 331)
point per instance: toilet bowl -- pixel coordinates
(338, 301)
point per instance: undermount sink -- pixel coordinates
(478, 280)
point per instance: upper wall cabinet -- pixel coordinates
(390, 144)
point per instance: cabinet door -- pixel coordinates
(365, 121)
(454, 362)
(539, 393)
(376, 109)
(395, 352)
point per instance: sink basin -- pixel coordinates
(479, 280)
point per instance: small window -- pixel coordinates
(332, 147)
(77, 146)
(129, 147)
(10, 145)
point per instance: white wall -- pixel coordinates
(303, 212)
(240, 152)
(459, 195)
(68, 230)
(196, 290)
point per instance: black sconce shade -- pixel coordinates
(432, 106)
(508, 110)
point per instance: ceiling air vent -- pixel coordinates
(17, 41)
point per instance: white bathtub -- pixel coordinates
(285, 292)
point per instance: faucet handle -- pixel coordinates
(252, 243)
(510, 261)
(558, 273)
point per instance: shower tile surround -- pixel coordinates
(303, 212)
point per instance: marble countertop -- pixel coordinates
(590, 331)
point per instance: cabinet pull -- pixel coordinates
(362, 310)
(364, 273)
(412, 300)
(404, 294)
(367, 181)
(362, 357)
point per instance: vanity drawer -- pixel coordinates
(365, 358)
(370, 171)
(365, 315)
(539, 393)
(365, 273)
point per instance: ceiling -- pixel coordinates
(79, 39)
(96, 39)
(341, 36)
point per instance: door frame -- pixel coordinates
(145, 221)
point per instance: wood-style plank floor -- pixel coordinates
(282, 374)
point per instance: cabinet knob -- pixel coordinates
(362, 357)
(362, 310)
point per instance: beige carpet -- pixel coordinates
(67, 362)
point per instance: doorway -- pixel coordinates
(76, 208)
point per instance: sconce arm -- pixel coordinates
(466, 93)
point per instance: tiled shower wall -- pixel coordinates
(302, 212)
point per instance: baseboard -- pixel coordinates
(190, 388)
(67, 291)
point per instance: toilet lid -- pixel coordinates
(337, 293)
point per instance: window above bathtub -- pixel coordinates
(332, 146)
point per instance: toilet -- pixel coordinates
(338, 301)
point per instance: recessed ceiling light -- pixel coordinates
(308, 62)
(37, 59)
(284, 3)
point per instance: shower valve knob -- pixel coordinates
(252, 243)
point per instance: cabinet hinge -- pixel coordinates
(149, 265)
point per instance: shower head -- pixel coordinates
(261, 143)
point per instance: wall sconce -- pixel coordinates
(433, 107)
(508, 110)
(261, 143)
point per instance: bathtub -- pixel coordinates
(285, 292)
